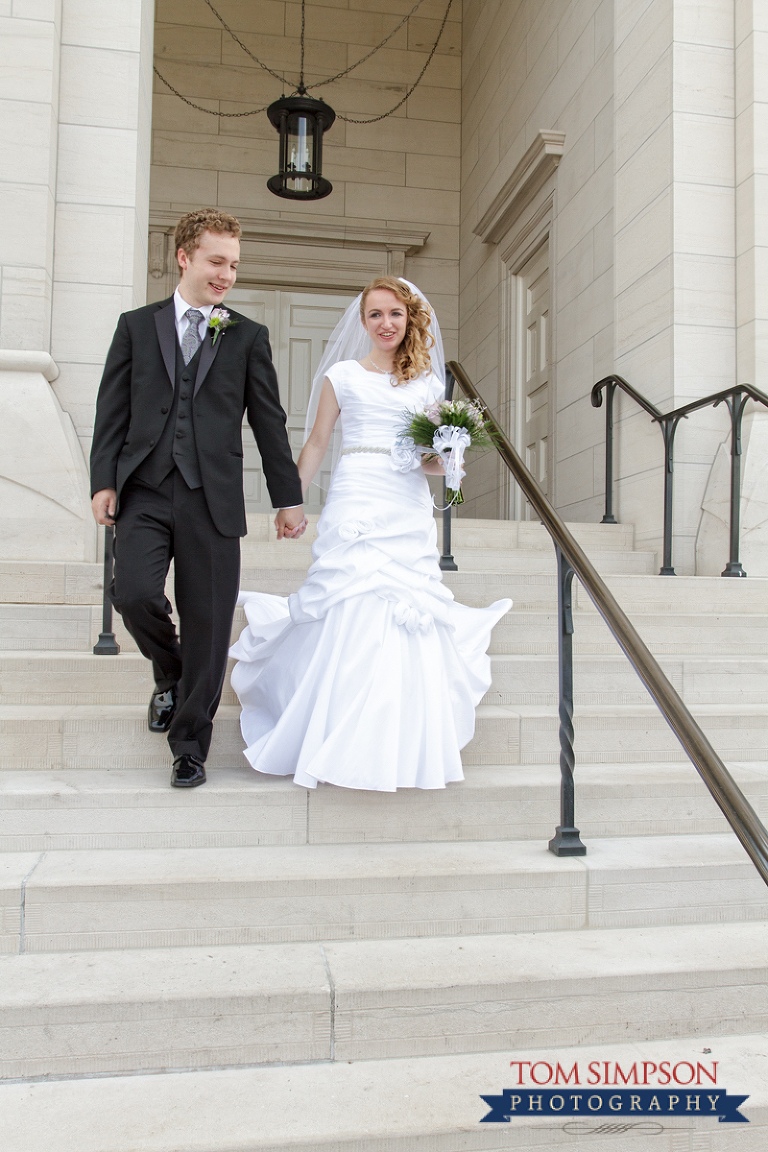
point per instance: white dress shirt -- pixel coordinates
(182, 323)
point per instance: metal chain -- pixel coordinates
(247, 51)
(330, 79)
(375, 119)
(338, 76)
(372, 52)
(200, 108)
(302, 89)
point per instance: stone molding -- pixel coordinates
(374, 250)
(529, 176)
(17, 360)
(316, 233)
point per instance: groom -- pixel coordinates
(167, 470)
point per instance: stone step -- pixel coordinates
(81, 678)
(115, 736)
(109, 808)
(626, 733)
(673, 594)
(611, 680)
(471, 533)
(96, 1013)
(282, 566)
(67, 810)
(411, 1104)
(158, 898)
(666, 635)
(531, 590)
(290, 555)
(73, 628)
(467, 532)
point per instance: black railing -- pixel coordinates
(571, 559)
(735, 400)
(447, 562)
(107, 645)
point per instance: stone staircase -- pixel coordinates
(349, 971)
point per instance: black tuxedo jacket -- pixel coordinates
(234, 376)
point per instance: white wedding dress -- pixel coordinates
(368, 676)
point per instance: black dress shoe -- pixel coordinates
(162, 706)
(187, 772)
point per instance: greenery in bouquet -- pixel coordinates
(433, 427)
(464, 414)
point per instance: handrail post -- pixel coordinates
(736, 409)
(668, 429)
(447, 562)
(107, 645)
(609, 517)
(566, 841)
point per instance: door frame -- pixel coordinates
(535, 231)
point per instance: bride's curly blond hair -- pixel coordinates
(412, 357)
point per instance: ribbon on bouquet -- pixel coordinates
(450, 443)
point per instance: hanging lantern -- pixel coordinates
(301, 121)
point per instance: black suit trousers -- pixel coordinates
(155, 526)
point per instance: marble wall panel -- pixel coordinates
(423, 33)
(420, 138)
(25, 142)
(704, 22)
(645, 178)
(268, 16)
(644, 242)
(97, 88)
(25, 307)
(28, 54)
(27, 239)
(77, 226)
(93, 24)
(703, 218)
(432, 172)
(109, 176)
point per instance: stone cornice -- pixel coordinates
(18, 360)
(316, 232)
(533, 170)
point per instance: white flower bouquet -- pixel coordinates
(445, 429)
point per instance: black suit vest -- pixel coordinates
(176, 446)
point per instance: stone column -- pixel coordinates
(751, 70)
(674, 248)
(30, 34)
(75, 123)
(752, 191)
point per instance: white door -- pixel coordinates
(299, 325)
(534, 366)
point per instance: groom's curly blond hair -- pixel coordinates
(192, 225)
(412, 357)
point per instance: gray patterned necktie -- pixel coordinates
(190, 341)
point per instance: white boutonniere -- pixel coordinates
(219, 321)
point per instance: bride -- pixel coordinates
(369, 675)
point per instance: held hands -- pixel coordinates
(290, 523)
(104, 504)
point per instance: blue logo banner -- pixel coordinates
(656, 1102)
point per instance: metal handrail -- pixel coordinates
(735, 400)
(573, 560)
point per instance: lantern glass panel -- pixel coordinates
(299, 153)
